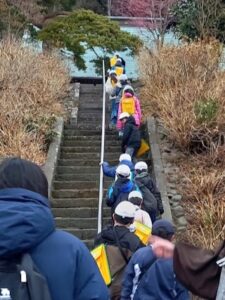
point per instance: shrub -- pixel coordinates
(31, 86)
(184, 86)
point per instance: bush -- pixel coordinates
(184, 86)
(31, 86)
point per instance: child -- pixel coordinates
(151, 195)
(141, 216)
(130, 104)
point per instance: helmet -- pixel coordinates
(123, 170)
(123, 77)
(125, 209)
(135, 194)
(128, 88)
(125, 156)
(141, 165)
(123, 115)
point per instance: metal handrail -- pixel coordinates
(102, 152)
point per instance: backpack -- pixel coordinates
(149, 200)
(20, 280)
(128, 105)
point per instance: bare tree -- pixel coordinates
(154, 15)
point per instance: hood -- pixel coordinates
(131, 120)
(25, 220)
(124, 185)
(109, 236)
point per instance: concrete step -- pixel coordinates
(77, 170)
(75, 184)
(80, 223)
(71, 202)
(80, 177)
(79, 162)
(75, 193)
(84, 212)
(89, 149)
(83, 234)
(88, 156)
(72, 130)
(89, 143)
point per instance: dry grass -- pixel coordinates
(184, 87)
(179, 81)
(31, 85)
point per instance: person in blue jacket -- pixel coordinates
(121, 188)
(138, 282)
(124, 159)
(27, 225)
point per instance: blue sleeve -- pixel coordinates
(110, 197)
(108, 170)
(88, 282)
(140, 261)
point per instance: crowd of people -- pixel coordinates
(156, 268)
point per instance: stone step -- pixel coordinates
(77, 170)
(83, 234)
(89, 143)
(75, 193)
(75, 184)
(71, 202)
(79, 162)
(89, 149)
(79, 177)
(89, 243)
(80, 223)
(73, 130)
(88, 156)
(84, 212)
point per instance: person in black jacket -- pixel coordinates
(123, 218)
(151, 196)
(131, 140)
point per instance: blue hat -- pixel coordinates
(163, 226)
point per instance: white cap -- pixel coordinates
(128, 87)
(135, 194)
(123, 170)
(112, 72)
(125, 209)
(119, 60)
(124, 115)
(125, 156)
(123, 77)
(141, 165)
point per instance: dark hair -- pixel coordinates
(20, 173)
(136, 200)
(129, 91)
(163, 233)
(124, 221)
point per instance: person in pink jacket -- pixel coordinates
(129, 103)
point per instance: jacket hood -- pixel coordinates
(25, 220)
(124, 185)
(109, 236)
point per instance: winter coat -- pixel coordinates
(119, 192)
(137, 114)
(111, 171)
(147, 277)
(144, 179)
(27, 225)
(160, 282)
(127, 239)
(131, 135)
(197, 268)
(142, 217)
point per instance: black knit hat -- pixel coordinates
(20, 173)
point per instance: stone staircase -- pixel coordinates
(76, 181)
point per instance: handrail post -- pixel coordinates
(102, 153)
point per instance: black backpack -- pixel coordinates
(20, 280)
